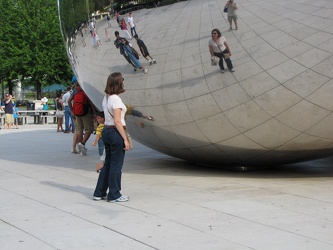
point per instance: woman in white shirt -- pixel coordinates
(115, 141)
(219, 47)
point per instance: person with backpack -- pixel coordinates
(82, 109)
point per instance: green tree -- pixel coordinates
(31, 44)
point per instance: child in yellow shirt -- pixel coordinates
(98, 139)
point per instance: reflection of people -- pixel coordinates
(128, 50)
(117, 15)
(115, 141)
(134, 112)
(144, 50)
(119, 46)
(108, 18)
(131, 23)
(124, 28)
(232, 16)
(107, 35)
(219, 47)
(97, 42)
(82, 38)
(9, 109)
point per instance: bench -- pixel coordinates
(36, 117)
(45, 119)
(22, 119)
(2, 120)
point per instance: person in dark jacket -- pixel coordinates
(144, 50)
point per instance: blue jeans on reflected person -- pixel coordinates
(228, 61)
(133, 29)
(110, 175)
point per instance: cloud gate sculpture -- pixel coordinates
(276, 108)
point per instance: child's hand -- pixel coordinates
(94, 143)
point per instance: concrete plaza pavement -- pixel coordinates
(46, 201)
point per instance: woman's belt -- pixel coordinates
(112, 126)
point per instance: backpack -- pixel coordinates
(81, 103)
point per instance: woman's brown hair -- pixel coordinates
(217, 31)
(114, 84)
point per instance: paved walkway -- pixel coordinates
(46, 201)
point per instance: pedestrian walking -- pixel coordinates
(131, 23)
(144, 51)
(232, 15)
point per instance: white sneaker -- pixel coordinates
(150, 62)
(120, 199)
(145, 71)
(154, 61)
(99, 198)
(232, 70)
(82, 148)
(222, 70)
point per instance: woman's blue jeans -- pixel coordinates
(110, 175)
(228, 61)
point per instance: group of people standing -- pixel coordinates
(126, 49)
(78, 111)
(111, 136)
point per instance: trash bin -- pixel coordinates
(30, 106)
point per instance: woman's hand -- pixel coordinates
(127, 146)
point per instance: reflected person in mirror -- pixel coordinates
(219, 47)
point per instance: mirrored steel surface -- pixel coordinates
(276, 108)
